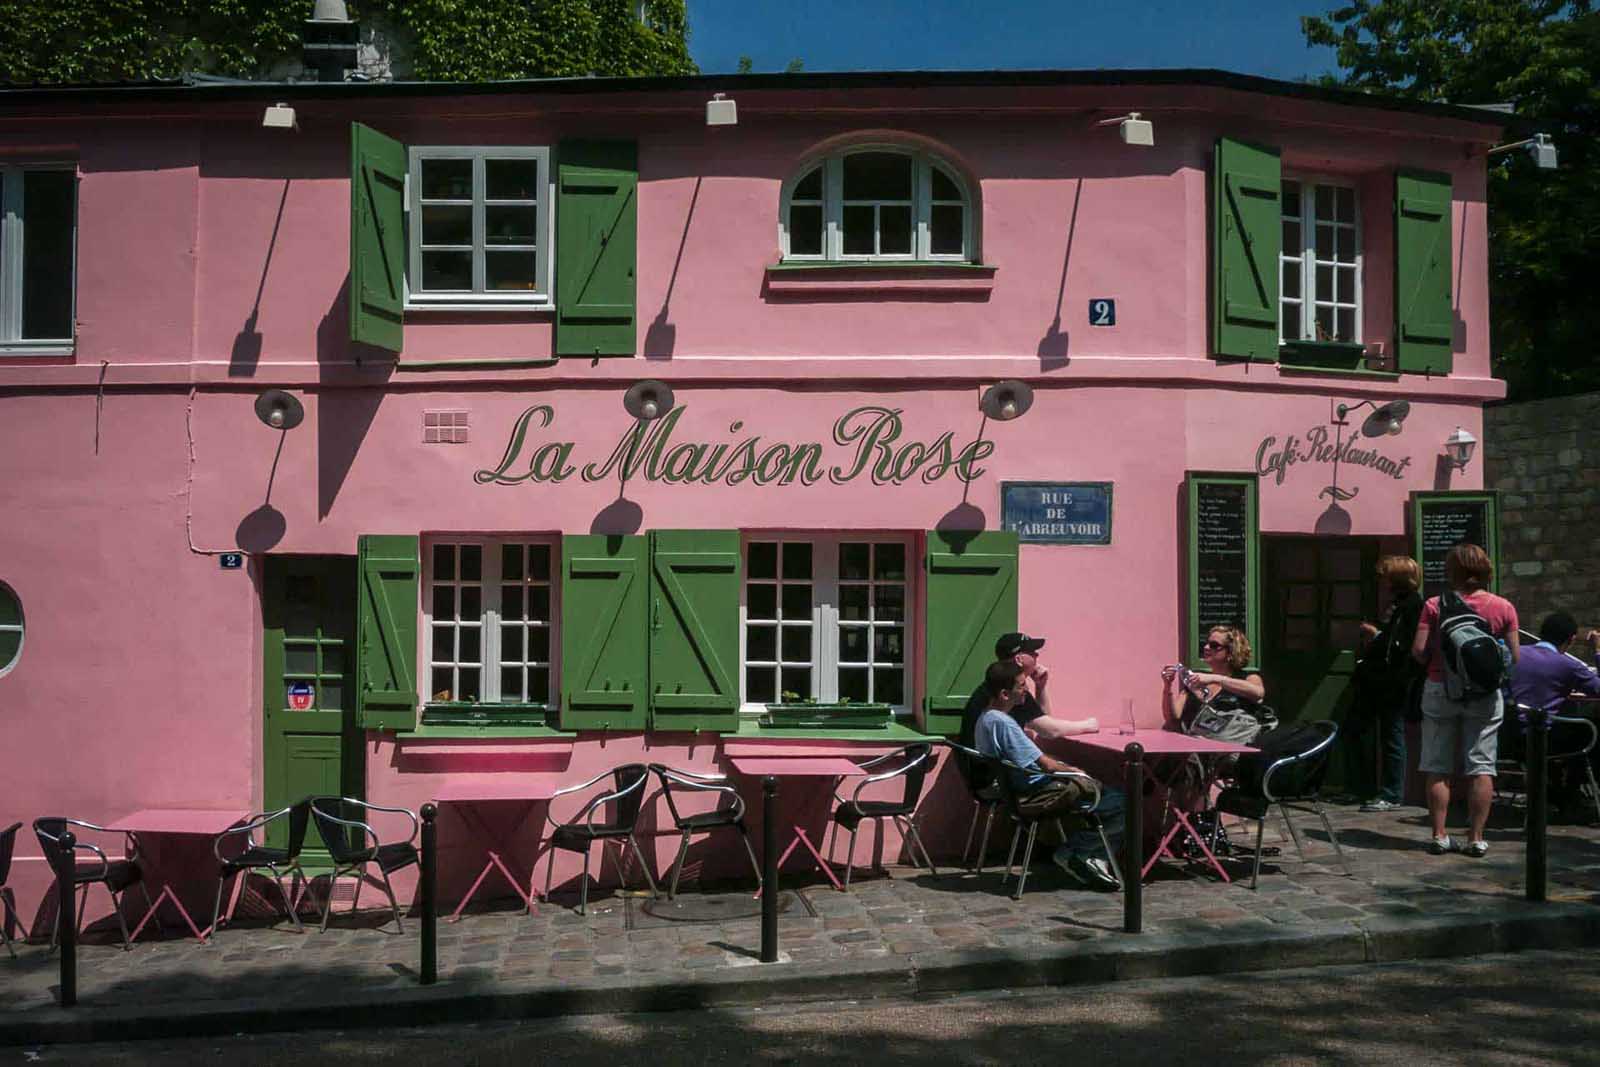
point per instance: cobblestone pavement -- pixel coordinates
(902, 912)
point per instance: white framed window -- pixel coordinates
(877, 203)
(11, 628)
(479, 227)
(825, 618)
(1319, 274)
(489, 621)
(38, 257)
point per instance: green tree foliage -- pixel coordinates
(52, 41)
(1544, 226)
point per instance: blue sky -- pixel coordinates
(1249, 36)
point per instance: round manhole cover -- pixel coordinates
(713, 909)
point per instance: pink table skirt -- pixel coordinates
(1155, 743)
(203, 821)
(516, 787)
(795, 767)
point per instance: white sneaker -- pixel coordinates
(1477, 849)
(1441, 845)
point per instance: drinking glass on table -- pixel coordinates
(1126, 726)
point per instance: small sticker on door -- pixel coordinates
(301, 695)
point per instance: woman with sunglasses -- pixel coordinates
(1226, 685)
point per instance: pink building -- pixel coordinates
(469, 560)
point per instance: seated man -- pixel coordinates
(1032, 709)
(998, 735)
(1546, 674)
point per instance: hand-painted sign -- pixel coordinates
(1275, 460)
(874, 437)
(301, 694)
(1057, 513)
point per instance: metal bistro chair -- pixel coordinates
(256, 857)
(334, 830)
(1514, 753)
(1293, 780)
(8, 907)
(703, 821)
(980, 774)
(853, 812)
(118, 876)
(626, 797)
(1085, 814)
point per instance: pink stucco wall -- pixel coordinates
(212, 263)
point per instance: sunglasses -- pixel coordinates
(1213, 646)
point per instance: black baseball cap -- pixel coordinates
(1010, 644)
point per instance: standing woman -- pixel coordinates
(1461, 736)
(1227, 685)
(1387, 673)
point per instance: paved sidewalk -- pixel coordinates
(907, 933)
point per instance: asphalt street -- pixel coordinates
(1531, 1008)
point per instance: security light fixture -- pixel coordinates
(279, 410)
(1133, 129)
(648, 399)
(1539, 146)
(721, 111)
(1458, 446)
(280, 117)
(1385, 420)
(1006, 400)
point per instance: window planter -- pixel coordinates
(1332, 355)
(852, 716)
(461, 713)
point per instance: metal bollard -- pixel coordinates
(1538, 854)
(429, 890)
(67, 918)
(769, 869)
(1133, 840)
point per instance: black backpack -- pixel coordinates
(1474, 661)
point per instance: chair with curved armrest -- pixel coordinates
(915, 761)
(334, 829)
(1292, 779)
(1085, 816)
(980, 774)
(731, 815)
(254, 857)
(626, 797)
(1580, 725)
(8, 909)
(118, 876)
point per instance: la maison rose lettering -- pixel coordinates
(1275, 459)
(867, 442)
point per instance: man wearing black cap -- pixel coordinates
(1032, 711)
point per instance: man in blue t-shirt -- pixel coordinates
(1039, 794)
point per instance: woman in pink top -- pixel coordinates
(1461, 736)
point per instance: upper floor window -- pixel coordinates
(1320, 266)
(479, 228)
(877, 204)
(38, 227)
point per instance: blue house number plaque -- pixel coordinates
(1102, 311)
(1057, 513)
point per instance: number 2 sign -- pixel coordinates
(1102, 312)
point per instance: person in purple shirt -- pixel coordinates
(1545, 677)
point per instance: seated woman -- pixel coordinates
(1227, 686)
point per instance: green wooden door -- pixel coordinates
(308, 624)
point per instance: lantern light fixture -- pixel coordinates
(1458, 447)
(720, 111)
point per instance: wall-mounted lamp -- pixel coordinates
(721, 111)
(648, 399)
(1385, 420)
(279, 410)
(280, 117)
(1458, 446)
(1539, 146)
(1006, 400)
(1133, 129)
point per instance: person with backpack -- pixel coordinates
(1467, 640)
(1387, 677)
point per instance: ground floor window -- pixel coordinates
(824, 619)
(488, 622)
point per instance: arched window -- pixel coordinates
(877, 203)
(10, 629)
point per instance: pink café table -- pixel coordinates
(468, 796)
(834, 767)
(175, 822)
(1164, 743)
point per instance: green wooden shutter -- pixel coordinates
(1247, 237)
(597, 222)
(1424, 315)
(970, 600)
(694, 629)
(386, 636)
(377, 237)
(603, 653)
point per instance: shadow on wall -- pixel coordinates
(246, 351)
(347, 403)
(1054, 345)
(661, 337)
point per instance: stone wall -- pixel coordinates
(1544, 457)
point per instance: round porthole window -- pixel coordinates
(10, 629)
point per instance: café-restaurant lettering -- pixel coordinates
(874, 439)
(1275, 459)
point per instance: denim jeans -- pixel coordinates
(1391, 729)
(1063, 803)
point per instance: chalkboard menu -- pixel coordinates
(1442, 520)
(1223, 538)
